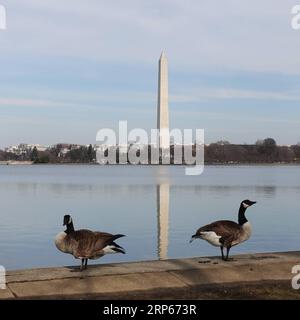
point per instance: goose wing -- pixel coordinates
(227, 230)
(103, 239)
(89, 243)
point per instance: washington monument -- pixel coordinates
(163, 103)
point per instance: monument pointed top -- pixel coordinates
(163, 55)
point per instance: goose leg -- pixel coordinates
(86, 263)
(82, 267)
(222, 252)
(227, 253)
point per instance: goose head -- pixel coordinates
(247, 203)
(67, 220)
(244, 205)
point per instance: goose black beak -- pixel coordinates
(253, 202)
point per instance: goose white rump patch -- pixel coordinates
(109, 249)
(211, 237)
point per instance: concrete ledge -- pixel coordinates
(168, 277)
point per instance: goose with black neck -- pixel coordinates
(225, 233)
(85, 244)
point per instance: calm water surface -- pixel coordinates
(158, 208)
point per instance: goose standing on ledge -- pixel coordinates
(226, 234)
(86, 244)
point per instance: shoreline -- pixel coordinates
(30, 163)
(15, 163)
(248, 276)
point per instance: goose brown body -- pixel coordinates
(225, 233)
(229, 233)
(86, 244)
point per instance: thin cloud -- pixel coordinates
(15, 102)
(225, 93)
(129, 97)
(65, 55)
(252, 36)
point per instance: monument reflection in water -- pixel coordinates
(163, 199)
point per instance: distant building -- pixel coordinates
(24, 149)
(11, 149)
(39, 147)
(75, 146)
(62, 153)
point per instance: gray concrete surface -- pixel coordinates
(170, 277)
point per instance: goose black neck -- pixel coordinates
(70, 228)
(242, 218)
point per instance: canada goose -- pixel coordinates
(86, 244)
(226, 234)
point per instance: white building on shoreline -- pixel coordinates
(24, 148)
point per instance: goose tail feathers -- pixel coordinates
(117, 236)
(114, 246)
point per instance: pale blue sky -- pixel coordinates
(69, 68)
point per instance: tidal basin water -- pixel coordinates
(158, 209)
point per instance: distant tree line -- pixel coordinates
(221, 152)
(81, 154)
(264, 151)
